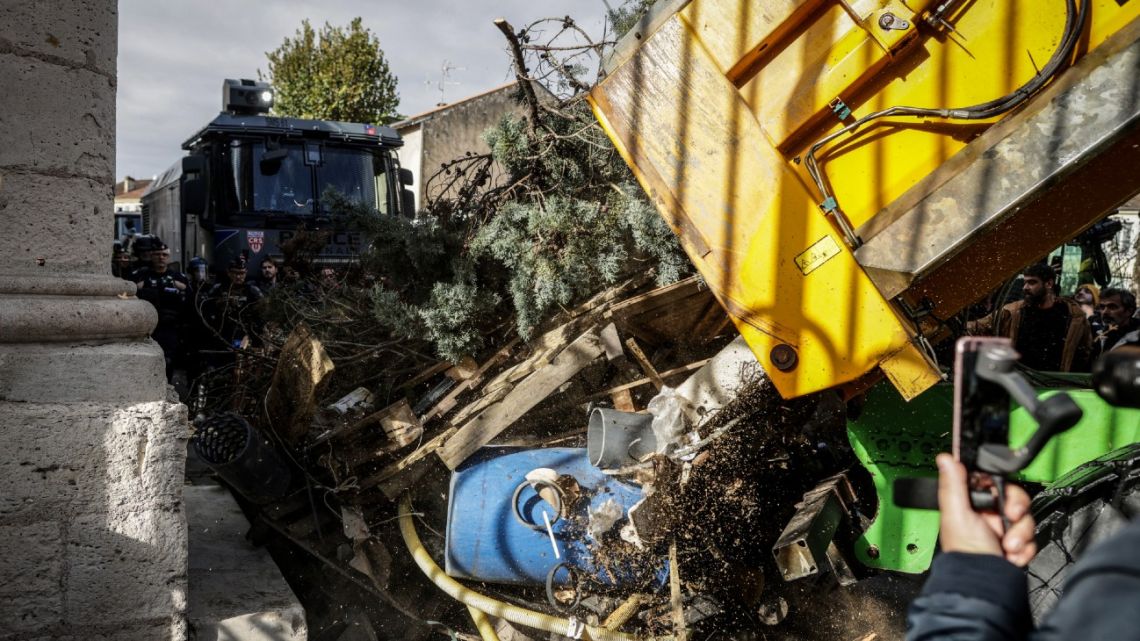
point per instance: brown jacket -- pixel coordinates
(1078, 338)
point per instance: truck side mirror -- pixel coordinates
(406, 177)
(193, 186)
(407, 203)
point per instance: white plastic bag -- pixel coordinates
(668, 419)
(603, 518)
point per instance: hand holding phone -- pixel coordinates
(962, 529)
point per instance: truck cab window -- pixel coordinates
(356, 174)
(291, 178)
(271, 180)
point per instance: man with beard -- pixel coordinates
(1050, 332)
(1116, 308)
(268, 279)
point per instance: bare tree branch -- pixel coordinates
(521, 71)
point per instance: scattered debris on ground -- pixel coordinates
(664, 530)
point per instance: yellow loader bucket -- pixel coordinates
(716, 104)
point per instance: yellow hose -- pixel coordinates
(528, 618)
(483, 624)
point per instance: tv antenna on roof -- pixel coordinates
(444, 80)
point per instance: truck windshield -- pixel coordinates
(290, 178)
(355, 174)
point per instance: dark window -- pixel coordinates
(290, 178)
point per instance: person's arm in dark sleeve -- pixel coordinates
(1101, 598)
(976, 591)
(971, 597)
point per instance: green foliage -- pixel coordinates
(581, 224)
(652, 236)
(555, 252)
(509, 144)
(406, 256)
(398, 317)
(456, 316)
(425, 288)
(625, 16)
(337, 74)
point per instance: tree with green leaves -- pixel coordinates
(336, 74)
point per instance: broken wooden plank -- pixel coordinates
(645, 381)
(542, 351)
(623, 401)
(643, 361)
(675, 321)
(400, 424)
(601, 299)
(403, 464)
(656, 298)
(526, 394)
(423, 376)
(463, 370)
(449, 402)
(712, 321)
(680, 630)
(303, 369)
(484, 401)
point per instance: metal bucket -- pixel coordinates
(615, 439)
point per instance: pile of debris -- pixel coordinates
(623, 475)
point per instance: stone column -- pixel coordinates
(92, 534)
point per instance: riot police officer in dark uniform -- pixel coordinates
(227, 312)
(167, 290)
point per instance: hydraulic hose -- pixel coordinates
(569, 627)
(1075, 19)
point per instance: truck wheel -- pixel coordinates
(1080, 509)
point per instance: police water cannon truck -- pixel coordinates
(250, 182)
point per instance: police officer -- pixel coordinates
(121, 262)
(227, 314)
(167, 290)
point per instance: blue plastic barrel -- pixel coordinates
(486, 542)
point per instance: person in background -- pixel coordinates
(196, 337)
(199, 272)
(120, 262)
(142, 248)
(1088, 297)
(268, 279)
(227, 315)
(1117, 310)
(1050, 332)
(168, 291)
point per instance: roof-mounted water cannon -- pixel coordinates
(246, 96)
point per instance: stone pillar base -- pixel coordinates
(91, 520)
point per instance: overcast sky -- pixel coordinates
(173, 56)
